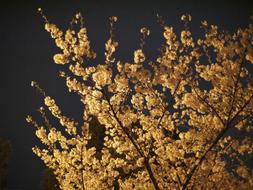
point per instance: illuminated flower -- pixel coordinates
(139, 56)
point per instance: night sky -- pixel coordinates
(27, 50)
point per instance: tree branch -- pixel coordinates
(165, 108)
(241, 109)
(210, 106)
(227, 126)
(83, 187)
(146, 160)
(234, 93)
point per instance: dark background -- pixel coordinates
(27, 50)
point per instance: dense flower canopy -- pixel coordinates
(183, 121)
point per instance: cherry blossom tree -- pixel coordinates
(181, 121)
